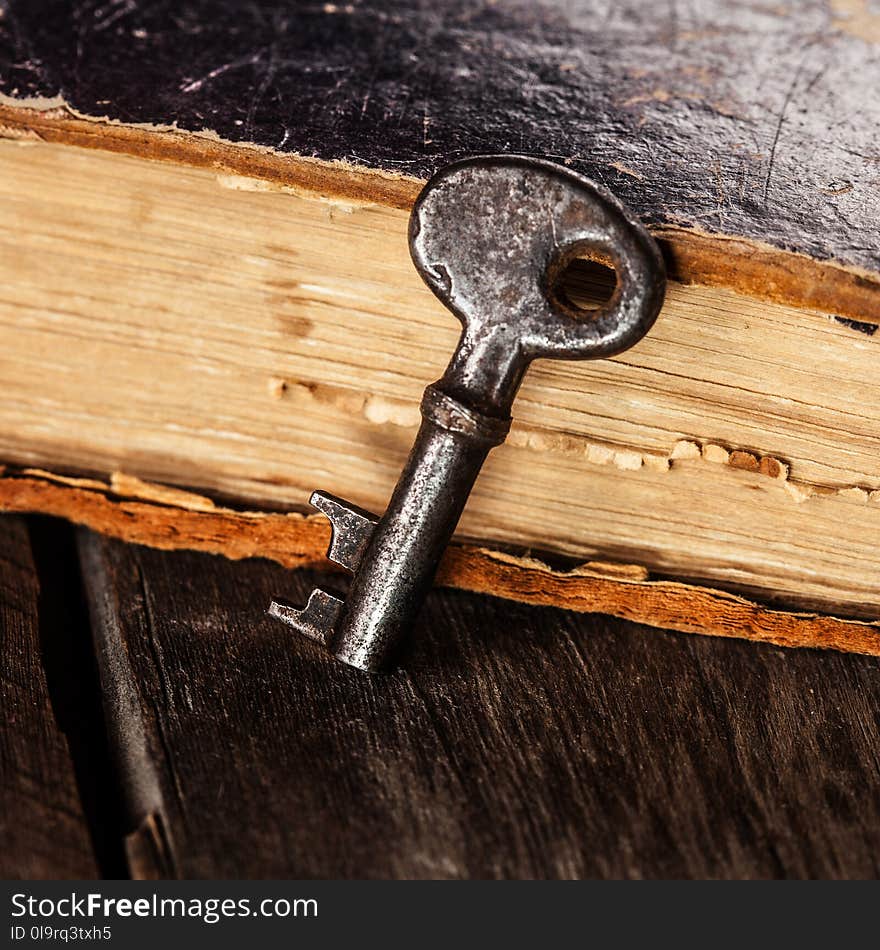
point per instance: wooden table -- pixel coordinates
(515, 742)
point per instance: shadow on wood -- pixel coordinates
(52, 741)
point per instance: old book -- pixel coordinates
(206, 287)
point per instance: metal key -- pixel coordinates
(489, 236)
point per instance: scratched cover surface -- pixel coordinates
(736, 118)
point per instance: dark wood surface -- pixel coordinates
(729, 116)
(43, 826)
(515, 742)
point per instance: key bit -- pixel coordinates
(489, 236)
(351, 527)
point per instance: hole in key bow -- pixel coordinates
(581, 283)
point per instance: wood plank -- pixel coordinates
(516, 741)
(728, 118)
(44, 797)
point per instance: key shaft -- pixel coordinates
(402, 557)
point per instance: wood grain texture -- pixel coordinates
(44, 832)
(293, 540)
(516, 742)
(737, 119)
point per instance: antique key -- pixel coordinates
(490, 236)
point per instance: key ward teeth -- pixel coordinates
(316, 620)
(352, 528)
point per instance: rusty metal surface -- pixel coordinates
(490, 236)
